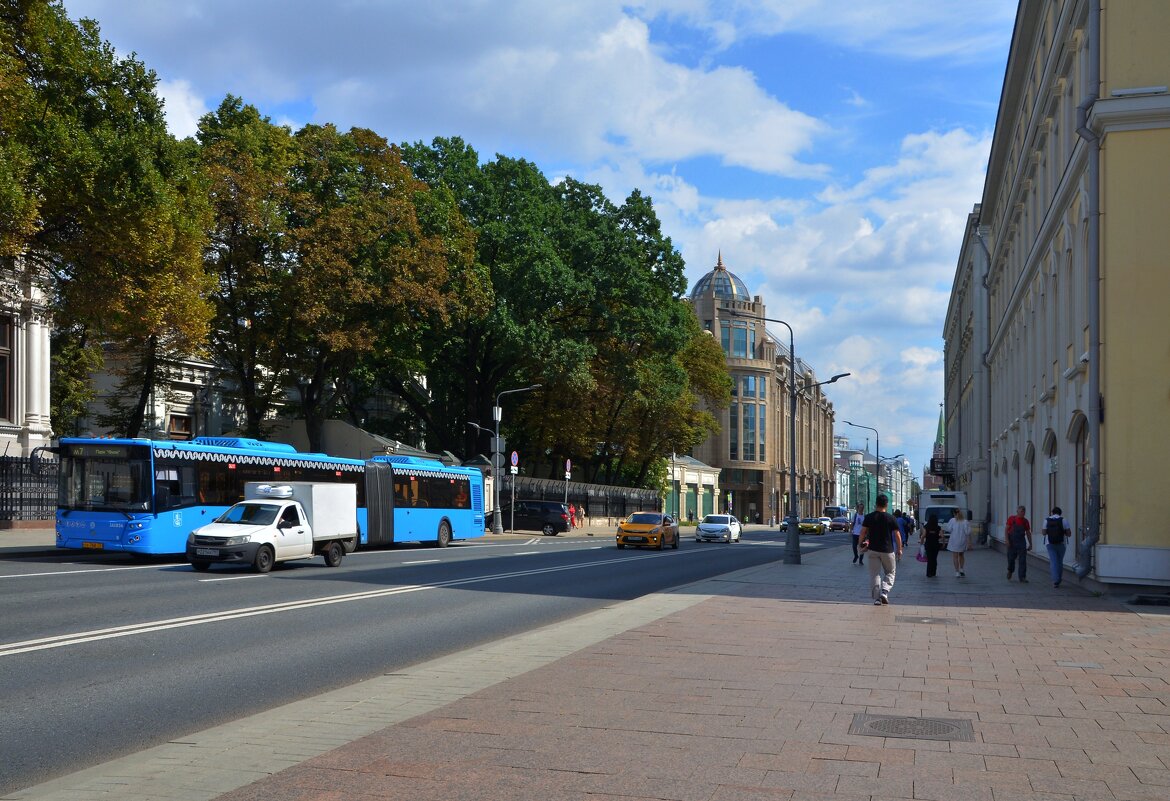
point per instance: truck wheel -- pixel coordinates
(201, 566)
(264, 559)
(444, 538)
(334, 552)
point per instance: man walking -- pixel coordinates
(855, 532)
(1019, 541)
(1056, 531)
(881, 537)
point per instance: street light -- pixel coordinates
(877, 453)
(900, 496)
(792, 534)
(498, 458)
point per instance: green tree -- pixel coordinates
(585, 302)
(248, 161)
(362, 268)
(120, 209)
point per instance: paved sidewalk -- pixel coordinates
(754, 685)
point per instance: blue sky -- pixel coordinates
(831, 149)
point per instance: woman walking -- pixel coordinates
(932, 541)
(958, 541)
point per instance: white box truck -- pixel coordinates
(278, 522)
(941, 503)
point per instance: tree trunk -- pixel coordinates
(149, 368)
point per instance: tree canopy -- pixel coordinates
(328, 272)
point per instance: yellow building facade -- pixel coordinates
(1058, 332)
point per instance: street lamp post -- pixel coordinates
(792, 532)
(877, 457)
(900, 497)
(498, 456)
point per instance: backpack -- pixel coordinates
(1054, 530)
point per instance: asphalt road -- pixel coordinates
(104, 656)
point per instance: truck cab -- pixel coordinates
(277, 523)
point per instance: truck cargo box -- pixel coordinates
(331, 508)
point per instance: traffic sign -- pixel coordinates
(568, 465)
(515, 459)
(514, 469)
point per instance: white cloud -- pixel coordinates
(909, 29)
(183, 107)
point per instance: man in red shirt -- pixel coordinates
(1018, 533)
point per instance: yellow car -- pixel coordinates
(648, 530)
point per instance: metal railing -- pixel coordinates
(28, 488)
(598, 500)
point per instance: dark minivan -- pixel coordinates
(547, 517)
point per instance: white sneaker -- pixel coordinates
(957, 574)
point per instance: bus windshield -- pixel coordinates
(250, 514)
(101, 477)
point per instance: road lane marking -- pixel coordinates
(235, 578)
(83, 572)
(134, 629)
(422, 562)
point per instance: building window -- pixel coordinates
(763, 416)
(749, 432)
(725, 332)
(733, 429)
(179, 426)
(740, 342)
(6, 367)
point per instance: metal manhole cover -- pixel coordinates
(938, 621)
(912, 728)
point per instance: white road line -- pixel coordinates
(525, 553)
(83, 572)
(421, 562)
(235, 578)
(63, 640)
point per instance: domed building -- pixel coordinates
(752, 449)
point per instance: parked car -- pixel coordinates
(718, 527)
(839, 524)
(812, 525)
(548, 517)
(647, 530)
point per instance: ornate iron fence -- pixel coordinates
(28, 488)
(598, 500)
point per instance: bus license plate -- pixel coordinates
(94, 546)
(207, 552)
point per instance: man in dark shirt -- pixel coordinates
(881, 537)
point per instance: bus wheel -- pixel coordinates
(201, 566)
(352, 543)
(444, 538)
(264, 559)
(333, 553)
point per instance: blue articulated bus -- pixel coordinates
(144, 497)
(412, 499)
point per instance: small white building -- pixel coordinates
(24, 363)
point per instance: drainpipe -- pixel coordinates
(1097, 412)
(985, 359)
